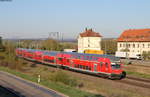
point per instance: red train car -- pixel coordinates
(105, 65)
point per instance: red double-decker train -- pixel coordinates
(102, 65)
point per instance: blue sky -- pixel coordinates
(36, 18)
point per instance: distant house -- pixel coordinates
(89, 40)
(134, 41)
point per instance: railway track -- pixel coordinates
(138, 79)
(139, 65)
(138, 82)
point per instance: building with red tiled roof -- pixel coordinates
(90, 33)
(89, 40)
(139, 35)
(134, 41)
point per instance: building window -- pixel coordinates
(148, 45)
(143, 45)
(133, 45)
(126, 45)
(123, 45)
(120, 45)
(129, 45)
(138, 45)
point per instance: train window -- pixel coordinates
(73, 56)
(115, 66)
(82, 57)
(87, 57)
(101, 64)
(60, 59)
(76, 65)
(39, 55)
(80, 66)
(106, 65)
(83, 67)
(87, 68)
(93, 58)
(48, 60)
(67, 60)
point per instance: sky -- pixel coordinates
(38, 18)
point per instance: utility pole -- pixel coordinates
(126, 49)
(55, 36)
(62, 38)
(105, 47)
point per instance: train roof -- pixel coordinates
(93, 56)
(30, 50)
(51, 53)
(83, 56)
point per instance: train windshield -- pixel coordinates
(115, 66)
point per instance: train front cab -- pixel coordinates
(109, 69)
(117, 71)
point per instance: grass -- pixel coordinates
(67, 90)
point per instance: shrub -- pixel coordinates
(64, 78)
(146, 55)
(33, 65)
(2, 57)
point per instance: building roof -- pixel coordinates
(90, 33)
(135, 35)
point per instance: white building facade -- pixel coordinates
(134, 42)
(89, 40)
(135, 47)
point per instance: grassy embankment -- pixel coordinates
(68, 90)
(58, 80)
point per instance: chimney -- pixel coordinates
(91, 29)
(85, 29)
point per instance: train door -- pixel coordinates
(71, 63)
(95, 67)
(66, 61)
(102, 67)
(60, 61)
(106, 67)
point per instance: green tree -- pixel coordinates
(2, 48)
(146, 55)
(51, 45)
(109, 46)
